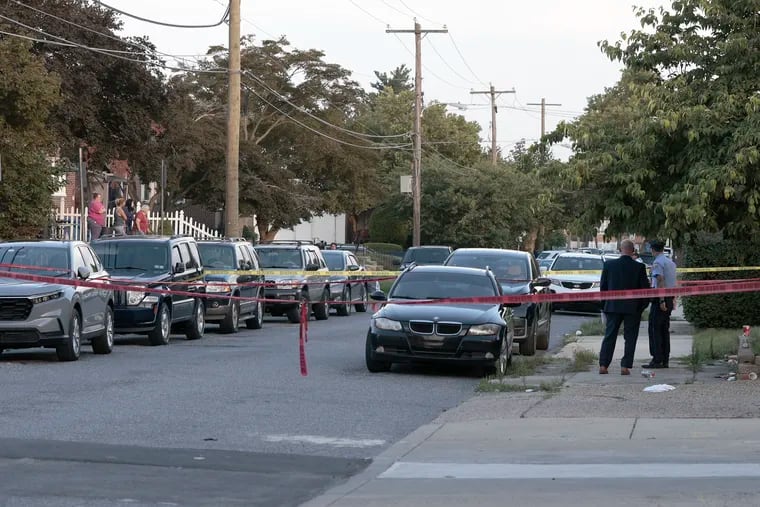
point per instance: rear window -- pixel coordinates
(418, 285)
(132, 256)
(35, 260)
(426, 255)
(577, 264)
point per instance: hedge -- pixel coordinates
(722, 310)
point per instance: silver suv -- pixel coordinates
(54, 315)
(299, 273)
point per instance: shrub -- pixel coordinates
(249, 234)
(385, 225)
(722, 310)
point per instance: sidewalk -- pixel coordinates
(600, 441)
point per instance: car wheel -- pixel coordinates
(542, 343)
(258, 320)
(373, 365)
(362, 307)
(103, 344)
(231, 321)
(197, 326)
(528, 347)
(161, 333)
(294, 314)
(344, 310)
(70, 350)
(322, 309)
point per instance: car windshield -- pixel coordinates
(283, 258)
(420, 285)
(35, 260)
(577, 264)
(334, 260)
(217, 256)
(132, 256)
(426, 255)
(504, 266)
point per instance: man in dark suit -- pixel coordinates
(623, 273)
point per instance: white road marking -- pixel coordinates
(411, 470)
(319, 440)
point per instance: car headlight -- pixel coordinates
(387, 324)
(217, 287)
(289, 283)
(484, 330)
(135, 297)
(47, 297)
(556, 281)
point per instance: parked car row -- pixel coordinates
(172, 283)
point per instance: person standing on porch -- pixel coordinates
(142, 225)
(119, 217)
(96, 216)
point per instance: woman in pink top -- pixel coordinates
(96, 216)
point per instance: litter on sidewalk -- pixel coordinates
(659, 388)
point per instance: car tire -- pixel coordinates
(373, 365)
(362, 307)
(344, 310)
(103, 344)
(257, 321)
(294, 313)
(197, 325)
(231, 322)
(322, 309)
(70, 350)
(542, 343)
(528, 346)
(162, 332)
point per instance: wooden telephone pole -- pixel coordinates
(543, 105)
(232, 191)
(493, 93)
(417, 163)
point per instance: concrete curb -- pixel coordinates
(379, 465)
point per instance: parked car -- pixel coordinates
(574, 282)
(548, 254)
(352, 291)
(425, 255)
(301, 275)
(53, 315)
(156, 262)
(518, 273)
(479, 334)
(237, 262)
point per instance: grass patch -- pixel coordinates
(593, 327)
(524, 366)
(715, 343)
(582, 359)
(486, 386)
(552, 386)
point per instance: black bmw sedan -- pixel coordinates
(472, 333)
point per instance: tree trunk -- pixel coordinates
(529, 245)
(265, 233)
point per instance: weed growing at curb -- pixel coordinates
(582, 359)
(552, 386)
(524, 366)
(593, 327)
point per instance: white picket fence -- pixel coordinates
(69, 227)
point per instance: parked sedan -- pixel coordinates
(349, 290)
(467, 333)
(518, 273)
(576, 281)
(54, 315)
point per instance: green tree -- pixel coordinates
(674, 147)
(28, 92)
(398, 80)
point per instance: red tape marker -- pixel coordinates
(303, 338)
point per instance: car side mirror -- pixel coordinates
(179, 268)
(354, 267)
(396, 262)
(84, 272)
(541, 282)
(312, 267)
(378, 295)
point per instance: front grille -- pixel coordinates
(577, 285)
(15, 308)
(438, 328)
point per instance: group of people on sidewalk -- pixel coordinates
(125, 220)
(625, 273)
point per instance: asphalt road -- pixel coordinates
(226, 420)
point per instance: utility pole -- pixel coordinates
(493, 93)
(417, 163)
(232, 192)
(543, 105)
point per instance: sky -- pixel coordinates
(540, 48)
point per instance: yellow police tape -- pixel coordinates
(678, 270)
(293, 272)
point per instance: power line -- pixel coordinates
(430, 43)
(418, 14)
(162, 23)
(428, 68)
(395, 8)
(464, 59)
(365, 11)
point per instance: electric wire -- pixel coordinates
(427, 68)
(367, 12)
(395, 8)
(161, 23)
(418, 14)
(464, 60)
(432, 46)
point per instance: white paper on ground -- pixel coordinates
(658, 388)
